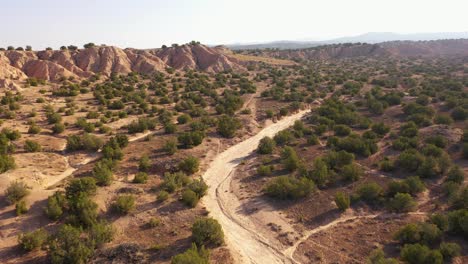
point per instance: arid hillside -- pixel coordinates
(394, 48)
(51, 65)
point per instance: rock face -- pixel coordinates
(197, 57)
(52, 65)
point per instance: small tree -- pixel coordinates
(69, 246)
(342, 201)
(140, 177)
(170, 146)
(207, 231)
(21, 208)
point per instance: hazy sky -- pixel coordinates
(151, 23)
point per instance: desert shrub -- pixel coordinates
(76, 187)
(85, 142)
(140, 177)
(173, 181)
(190, 198)
(102, 172)
(443, 119)
(141, 125)
(227, 126)
(32, 146)
(170, 128)
(387, 165)
(55, 205)
(189, 165)
(410, 160)
(437, 140)
(402, 202)
(162, 196)
(154, 222)
(58, 128)
(191, 139)
(101, 233)
(290, 159)
(16, 191)
(192, 256)
(342, 201)
(351, 172)
(440, 220)
(414, 253)
(199, 187)
(312, 140)
(123, 204)
(320, 172)
(380, 128)
(83, 211)
(21, 208)
(266, 145)
(456, 174)
(207, 231)
(264, 170)
(32, 240)
(69, 246)
(426, 233)
(144, 164)
(34, 129)
(377, 256)
(170, 146)
(342, 130)
(183, 119)
(449, 250)
(287, 187)
(457, 222)
(369, 192)
(283, 137)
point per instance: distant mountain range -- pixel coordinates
(372, 38)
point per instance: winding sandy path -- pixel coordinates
(246, 244)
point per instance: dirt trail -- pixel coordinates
(247, 245)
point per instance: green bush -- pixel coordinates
(21, 208)
(123, 204)
(173, 181)
(102, 172)
(69, 246)
(287, 187)
(456, 174)
(415, 253)
(140, 177)
(402, 202)
(32, 146)
(144, 163)
(449, 250)
(163, 196)
(342, 201)
(199, 187)
(101, 233)
(208, 232)
(55, 205)
(370, 192)
(266, 146)
(85, 142)
(170, 146)
(192, 256)
(190, 198)
(16, 191)
(7, 162)
(189, 165)
(85, 186)
(377, 256)
(351, 172)
(290, 159)
(264, 170)
(32, 240)
(227, 126)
